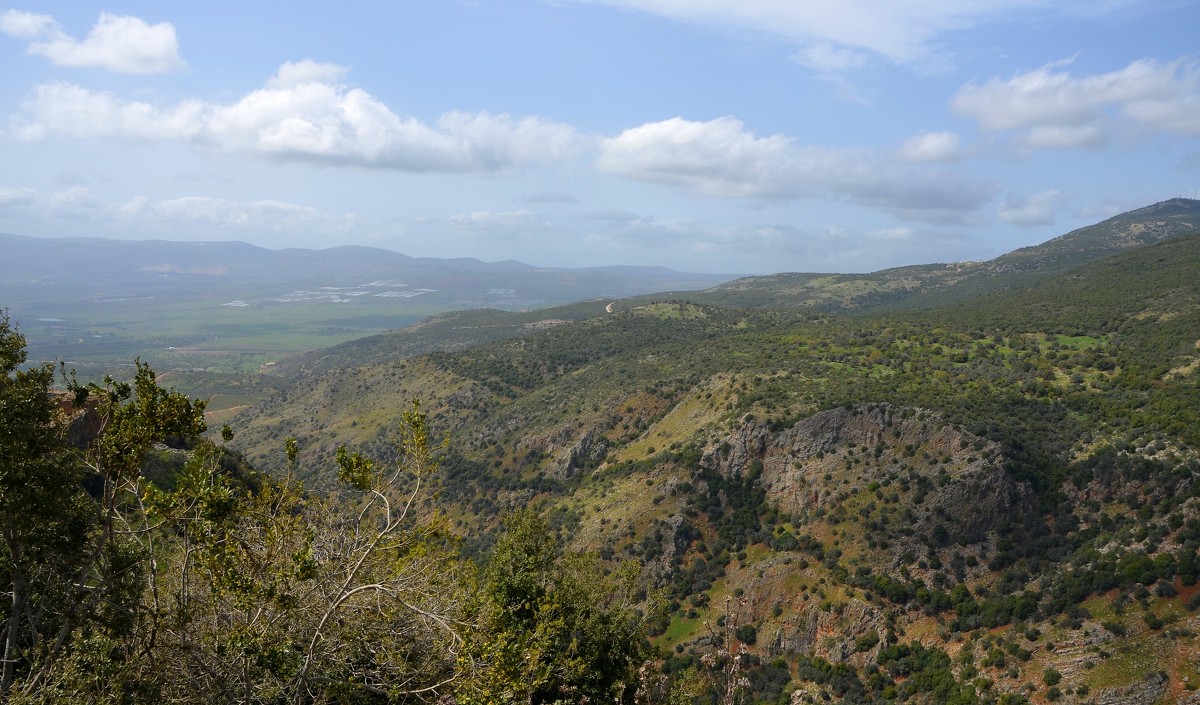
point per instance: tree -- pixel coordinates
(280, 595)
(77, 546)
(220, 588)
(39, 515)
(555, 628)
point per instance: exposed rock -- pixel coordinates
(585, 451)
(589, 450)
(978, 502)
(83, 427)
(840, 451)
(831, 634)
(1145, 692)
(472, 396)
(673, 544)
(82, 424)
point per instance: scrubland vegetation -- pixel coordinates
(738, 497)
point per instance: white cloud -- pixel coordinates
(720, 157)
(788, 247)
(273, 215)
(674, 234)
(25, 25)
(136, 206)
(831, 63)
(117, 43)
(1062, 137)
(200, 216)
(1038, 209)
(1108, 207)
(493, 220)
(295, 73)
(834, 33)
(303, 114)
(1052, 108)
(824, 57)
(16, 197)
(1179, 114)
(902, 234)
(932, 147)
(194, 217)
(77, 202)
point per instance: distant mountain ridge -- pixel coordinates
(196, 305)
(45, 269)
(56, 260)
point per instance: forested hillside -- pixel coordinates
(988, 500)
(991, 498)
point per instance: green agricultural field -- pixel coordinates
(204, 335)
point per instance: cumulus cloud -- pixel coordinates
(119, 43)
(1049, 107)
(721, 157)
(303, 113)
(932, 147)
(1038, 209)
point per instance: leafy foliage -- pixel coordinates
(558, 629)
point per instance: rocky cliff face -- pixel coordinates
(831, 634)
(1146, 692)
(943, 475)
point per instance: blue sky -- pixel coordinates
(748, 136)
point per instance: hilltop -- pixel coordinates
(934, 284)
